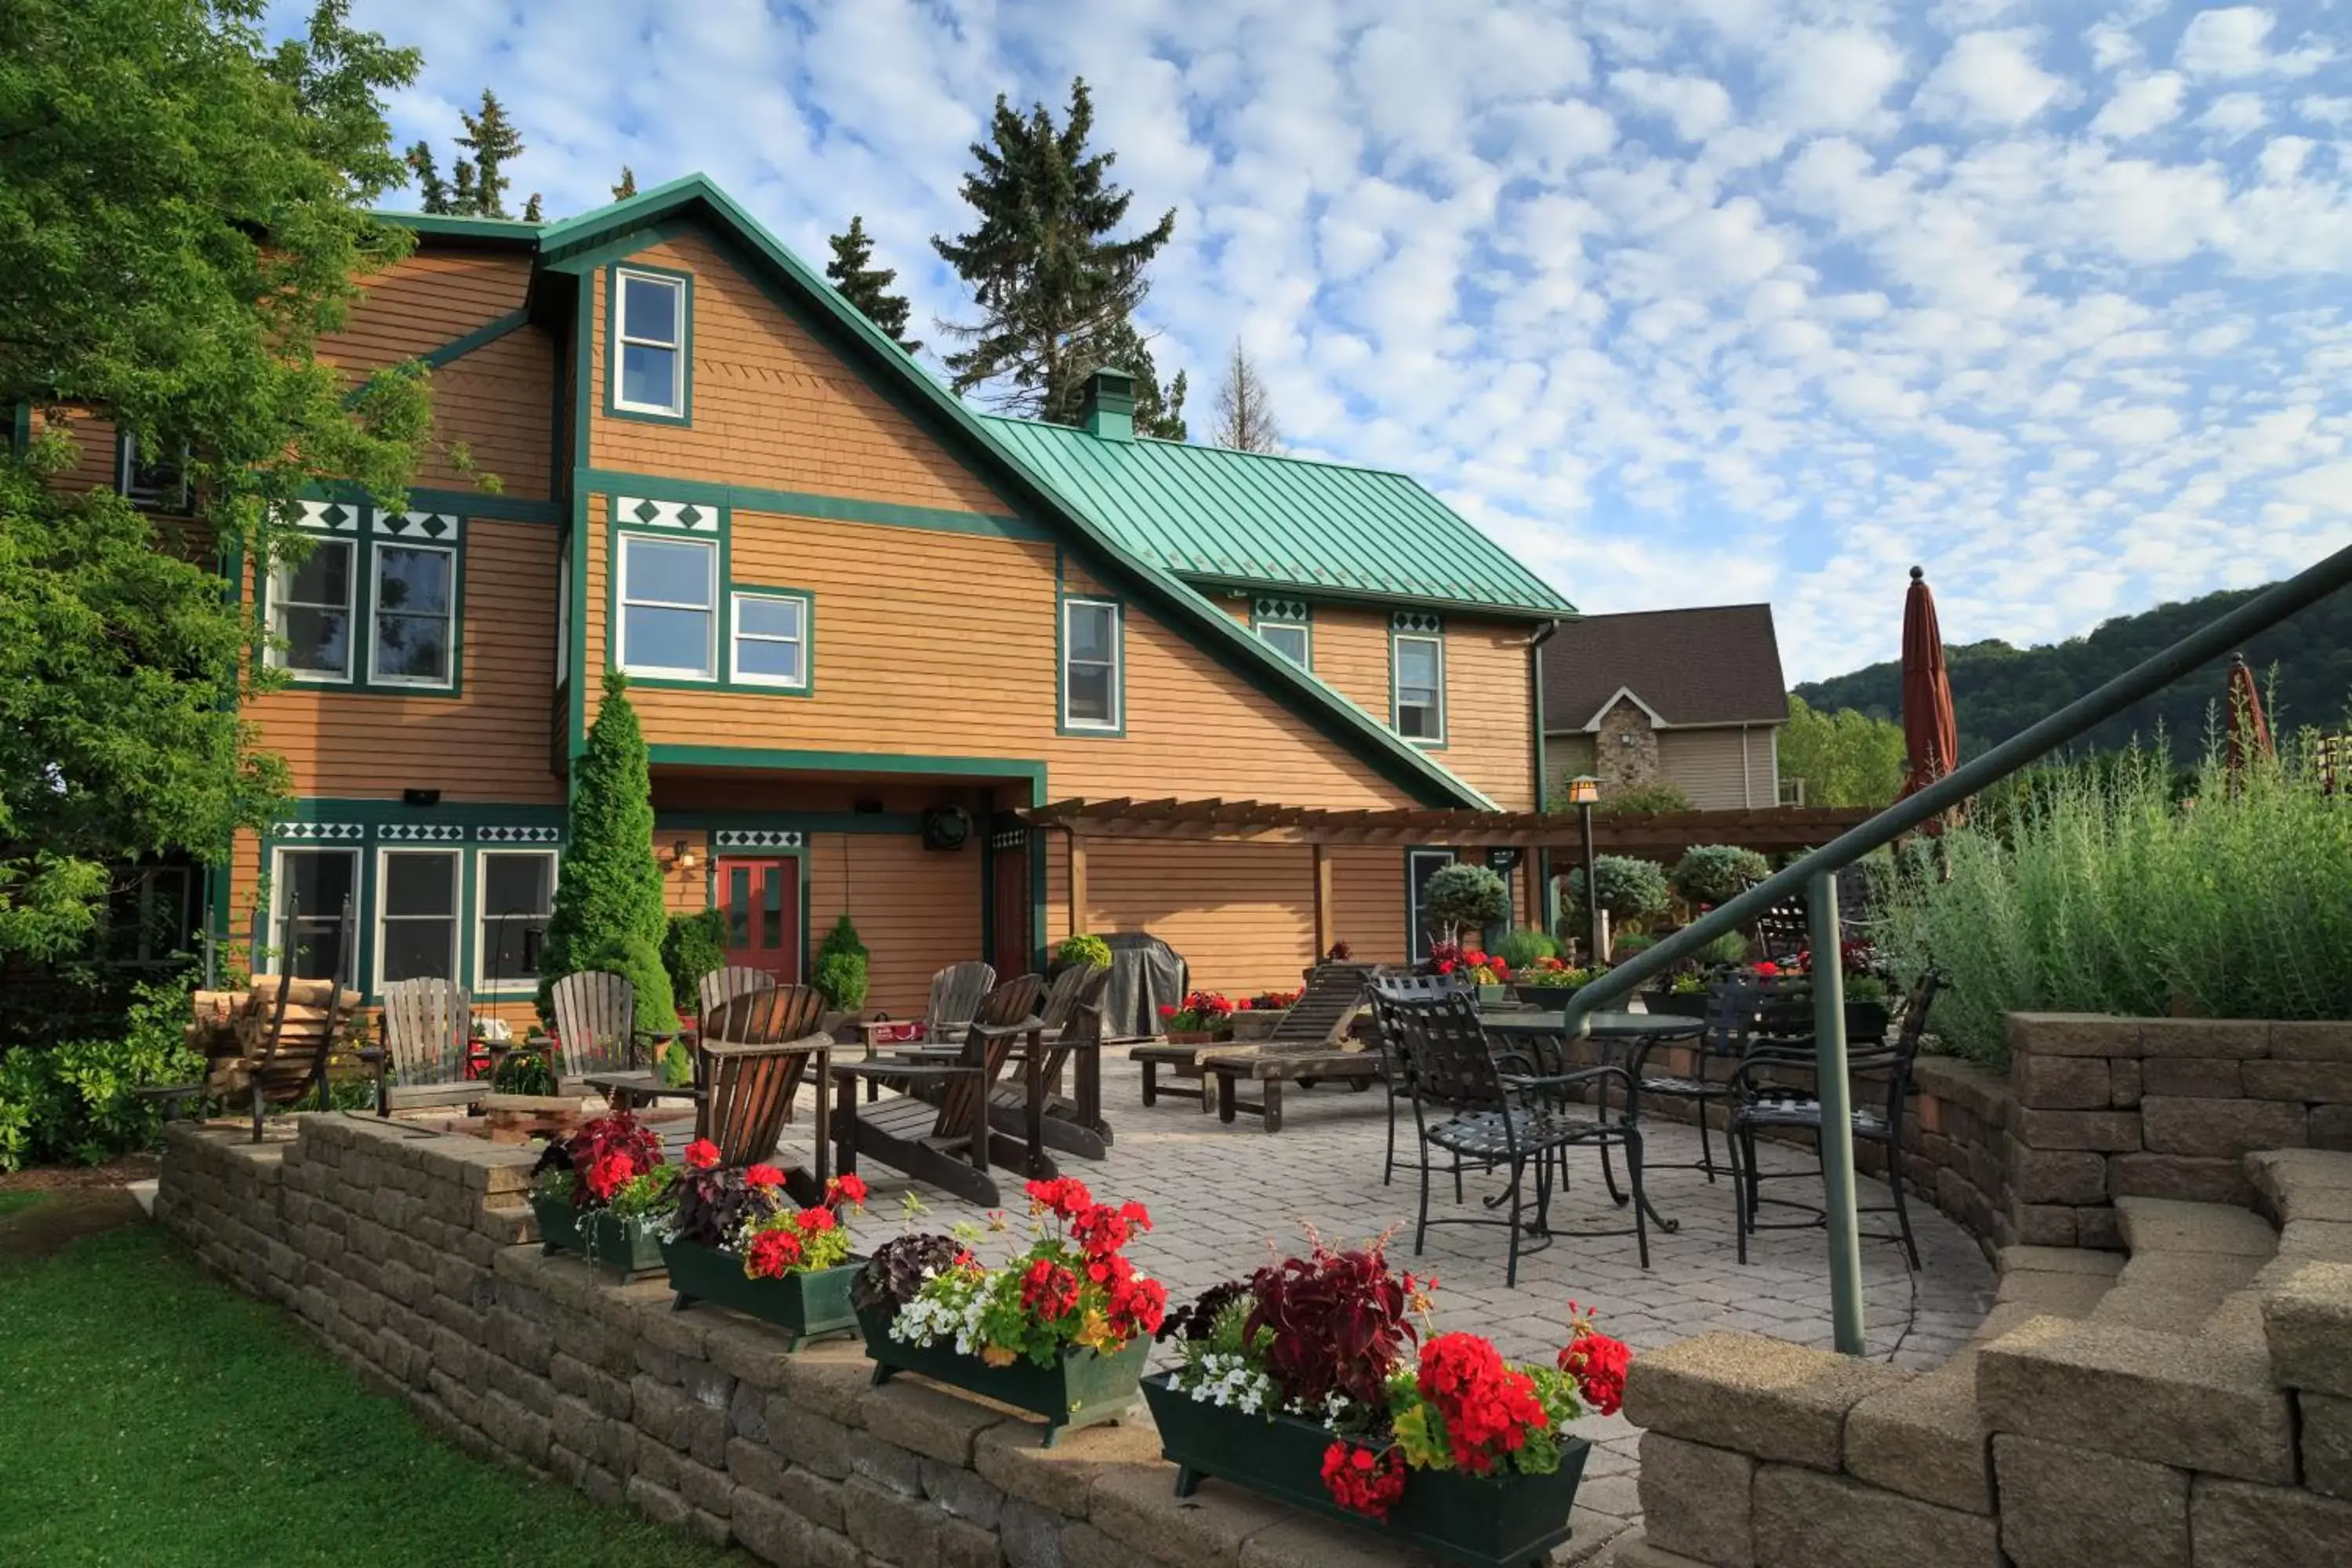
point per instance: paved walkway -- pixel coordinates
(1224, 1199)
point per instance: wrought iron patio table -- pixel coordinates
(1633, 1034)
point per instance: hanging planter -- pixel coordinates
(1503, 1520)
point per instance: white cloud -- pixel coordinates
(1988, 79)
(2234, 114)
(1696, 107)
(1832, 78)
(2233, 42)
(2139, 106)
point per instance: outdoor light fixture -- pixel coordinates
(1583, 790)
(681, 858)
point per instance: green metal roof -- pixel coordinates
(1213, 515)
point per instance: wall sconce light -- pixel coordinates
(681, 858)
(1583, 790)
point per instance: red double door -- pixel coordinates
(761, 901)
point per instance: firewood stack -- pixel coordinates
(312, 1008)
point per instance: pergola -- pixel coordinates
(1775, 830)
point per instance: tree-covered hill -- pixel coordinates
(1998, 690)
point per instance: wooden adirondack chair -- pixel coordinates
(720, 986)
(428, 1031)
(947, 1143)
(1034, 1089)
(751, 1068)
(595, 1020)
(956, 994)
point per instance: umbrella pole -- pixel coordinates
(1837, 1113)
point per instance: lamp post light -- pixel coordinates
(1583, 791)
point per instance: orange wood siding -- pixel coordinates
(1057, 889)
(687, 894)
(1368, 901)
(491, 741)
(1489, 712)
(916, 910)
(944, 643)
(422, 301)
(1351, 655)
(774, 407)
(1242, 914)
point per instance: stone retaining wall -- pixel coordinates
(405, 1252)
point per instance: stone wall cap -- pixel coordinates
(2058, 1260)
(1756, 1395)
(2166, 1225)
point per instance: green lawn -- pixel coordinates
(150, 1415)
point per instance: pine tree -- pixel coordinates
(609, 911)
(1050, 281)
(530, 213)
(495, 142)
(464, 198)
(628, 186)
(1244, 417)
(1157, 415)
(429, 182)
(868, 288)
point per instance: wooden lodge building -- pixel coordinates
(891, 655)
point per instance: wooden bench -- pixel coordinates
(1184, 1060)
(1271, 1070)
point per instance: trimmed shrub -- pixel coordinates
(1712, 874)
(841, 966)
(1729, 948)
(692, 947)
(609, 910)
(1522, 948)
(1631, 888)
(1463, 896)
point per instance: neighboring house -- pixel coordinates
(1690, 697)
(864, 628)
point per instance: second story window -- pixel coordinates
(415, 599)
(310, 612)
(1287, 639)
(1091, 658)
(771, 640)
(150, 483)
(1420, 675)
(669, 607)
(650, 348)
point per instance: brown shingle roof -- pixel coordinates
(1715, 666)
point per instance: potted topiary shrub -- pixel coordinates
(1081, 948)
(1297, 1385)
(1464, 899)
(1712, 874)
(841, 967)
(737, 1239)
(1632, 890)
(601, 1192)
(1061, 1331)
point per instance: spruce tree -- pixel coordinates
(530, 213)
(628, 186)
(609, 913)
(495, 142)
(865, 287)
(1051, 283)
(430, 185)
(1157, 413)
(1245, 416)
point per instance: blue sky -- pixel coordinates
(1687, 302)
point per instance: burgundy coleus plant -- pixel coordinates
(604, 1154)
(1340, 1321)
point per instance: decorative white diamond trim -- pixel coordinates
(422, 833)
(1011, 839)
(754, 838)
(328, 516)
(435, 525)
(693, 516)
(519, 834)
(337, 832)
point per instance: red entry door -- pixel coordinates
(1011, 913)
(762, 903)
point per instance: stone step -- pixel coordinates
(2058, 1281)
(2166, 1225)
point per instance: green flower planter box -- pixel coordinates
(1494, 996)
(1478, 1521)
(1084, 1389)
(1551, 998)
(623, 1249)
(806, 1306)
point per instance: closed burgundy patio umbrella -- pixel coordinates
(1931, 736)
(2249, 731)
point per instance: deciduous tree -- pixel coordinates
(1845, 758)
(1245, 419)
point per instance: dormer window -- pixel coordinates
(650, 340)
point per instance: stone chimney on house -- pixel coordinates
(1625, 747)
(1108, 407)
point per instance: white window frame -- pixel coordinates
(736, 637)
(623, 337)
(382, 900)
(1417, 939)
(281, 578)
(376, 611)
(1396, 684)
(1118, 719)
(278, 888)
(1306, 659)
(621, 602)
(484, 914)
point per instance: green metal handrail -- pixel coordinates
(1817, 873)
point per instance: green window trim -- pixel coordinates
(674, 504)
(614, 408)
(1405, 627)
(1064, 724)
(714, 644)
(366, 539)
(805, 685)
(1416, 939)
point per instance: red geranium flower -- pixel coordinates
(1597, 1363)
(774, 1253)
(815, 1221)
(1363, 1480)
(763, 1176)
(845, 1190)
(703, 1154)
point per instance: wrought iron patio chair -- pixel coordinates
(1758, 1105)
(1496, 1110)
(1394, 1072)
(1725, 1027)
